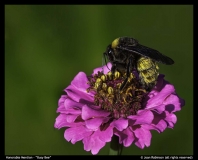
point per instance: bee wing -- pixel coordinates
(148, 52)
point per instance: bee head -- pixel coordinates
(109, 53)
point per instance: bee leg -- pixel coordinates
(127, 73)
(104, 59)
(123, 84)
(129, 66)
(113, 68)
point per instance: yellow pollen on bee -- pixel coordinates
(157, 67)
(115, 43)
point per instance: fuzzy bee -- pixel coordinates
(126, 55)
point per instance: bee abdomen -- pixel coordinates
(148, 72)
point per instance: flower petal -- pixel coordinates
(158, 122)
(88, 112)
(76, 133)
(104, 68)
(61, 106)
(143, 137)
(95, 123)
(126, 137)
(69, 107)
(143, 117)
(80, 83)
(78, 88)
(106, 133)
(62, 100)
(122, 136)
(130, 137)
(72, 111)
(171, 119)
(120, 124)
(160, 97)
(71, 118)
(93, 143)
(61, 121)
(160, 126)
(173, 103)
(69, 103)
(77, 95)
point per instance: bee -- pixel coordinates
(127, 55)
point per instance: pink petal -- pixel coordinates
(61, 121)
(143, 117)
(171, 119)
(77, 95)
(143, 137)
(88, 112)
(95, 123)
(158, 122)
(159, 109)
(160, 97)
(69, 103)
(126, 137)
(106, 134)
(160, 126)
(120, 124)
(62, 100)
(130, 137)
(69, 106)
(71, 118)
(151, 127)
(104, 69)
(172, 103)
(76, 134)
(121, 136)
(72, 111)
(98, 139)
(61, 107)
(80, 82)
(78, 88)
(93, 143)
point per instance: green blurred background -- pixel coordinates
(47, 45)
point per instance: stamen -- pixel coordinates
(109, 97)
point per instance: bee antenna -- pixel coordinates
(105, 58)
(102, 64)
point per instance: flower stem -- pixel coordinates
(115, 146)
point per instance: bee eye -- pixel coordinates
(110, 51)
(110, 54)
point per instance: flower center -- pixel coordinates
(121, 103)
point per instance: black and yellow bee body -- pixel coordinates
(126, 55)
(148, 72)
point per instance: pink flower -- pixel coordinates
(94, 116)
